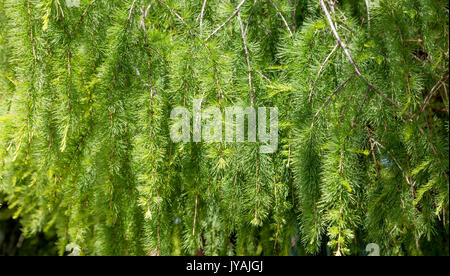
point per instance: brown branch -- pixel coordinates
(265, 28)
(68, 77)
(433, 90)
(372, 147)
(31, 31)
(250, 15)
(82, 17)
(294, 12)
(146, 45)
(338, 38)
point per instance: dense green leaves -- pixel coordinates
(85, 151)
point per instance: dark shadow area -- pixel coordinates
(13, 242)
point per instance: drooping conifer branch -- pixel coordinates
(201, 15)
(31, 30)
(350, 58)
(173, 12)
(75, 29)
(247, 57)
(235, 12)
(320, 71)
(282, 18)
(331, 97)
(106, 178)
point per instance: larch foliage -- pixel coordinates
(86, 93)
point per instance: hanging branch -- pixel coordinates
(150, 82)
(235, 12)
(144, 16)
(330, 97)
(195, 212)
(201, 16)
(82, 17)
(194, 34)
(111, 114)
(294, 12)
(320, 71)
(130, 13)
(250, 76)
(282, 17)
(368, 13)
(360, 107)
(249, 17)
(352, 61)
(431, 94)
(31, 31)
(68, 76)
(338, 38)
(173, 12)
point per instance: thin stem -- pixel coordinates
(282, 18)
(31, 31)
(352, 61)
(247, 56)
(235, 12)
(82, 17)
(173, 12)
(201, 16)
(361, 106)
(433, 90)
(321, 69)
(330, 97)
(368, 13)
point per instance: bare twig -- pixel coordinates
(250, 15)
(201, 16)
(320, 71)
(31, 31)
(130, 13)
(330, 97)
(265, 28)
(195, 212)
(294, 12)
(368, 13)
(263, 77)
(445, 96)
(352, 61)
(173, 12)
(338, 38)
(341, 12)
(282, 17)
(68, 77)
(360, 107)
(82, 17)
(235, 12)
(144, 16)
(374, 143)
(433, 90)
(250, 77)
